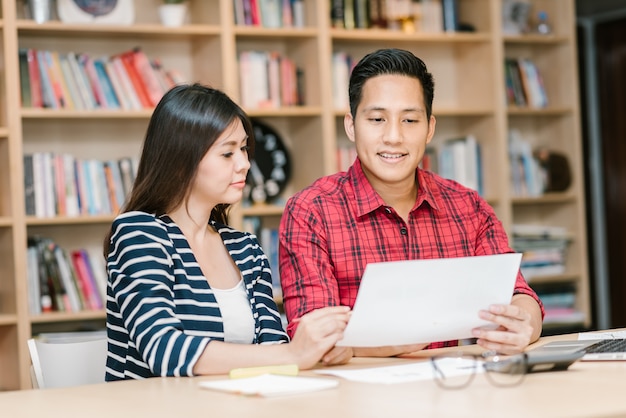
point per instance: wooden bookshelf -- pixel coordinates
(469, 97)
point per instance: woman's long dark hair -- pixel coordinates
(184, 125)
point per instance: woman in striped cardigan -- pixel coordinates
(188, 295)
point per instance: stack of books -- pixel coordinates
(543, 248)
(64, 281)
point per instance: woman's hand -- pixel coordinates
(342, 355)
(318, 331)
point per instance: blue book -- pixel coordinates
(47, 90)
(107, 87)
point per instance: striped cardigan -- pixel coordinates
(161, 312)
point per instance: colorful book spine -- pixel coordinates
(34, 78)
(144, 69)
(49, 97)
(107, 88)
(135, 78)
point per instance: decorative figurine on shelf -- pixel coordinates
(543, 26)
(113, 12)
(515, 16)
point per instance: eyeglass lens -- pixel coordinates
(457, 371)
(453, 372)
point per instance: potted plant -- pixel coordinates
(173, 12)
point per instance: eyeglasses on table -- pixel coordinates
(457, 370)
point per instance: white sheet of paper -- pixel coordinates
(423, 301)
(410, 372)
(270, 385)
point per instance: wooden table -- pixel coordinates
(586, 389)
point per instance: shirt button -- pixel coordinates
(403, 231)
(388, 210)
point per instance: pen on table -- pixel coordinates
(282, 369)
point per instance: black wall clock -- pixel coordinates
(270, 168)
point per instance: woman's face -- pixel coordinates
(222, 172)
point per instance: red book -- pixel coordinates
(140, 88)
(255, 12)
(148, 76)
(35, 81)
(90, 293)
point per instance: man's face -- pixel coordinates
(390, 130)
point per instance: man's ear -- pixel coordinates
(348, 125)
(431, 129)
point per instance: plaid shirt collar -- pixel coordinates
(368, 200)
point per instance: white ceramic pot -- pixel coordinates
(173, 14)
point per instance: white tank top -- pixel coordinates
(236, 314)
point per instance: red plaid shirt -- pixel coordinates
(331, 230)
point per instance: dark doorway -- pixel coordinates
(611, 72)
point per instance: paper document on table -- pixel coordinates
(409, 372)
(270, 385)
(423, 301)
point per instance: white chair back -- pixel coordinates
(62, 364)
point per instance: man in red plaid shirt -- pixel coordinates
(385, 208)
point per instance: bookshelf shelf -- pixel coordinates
(367, 35)
(544, 111)
(8, 319)
(282, 33)
(286, 111)
(67, 316)
(262, 210)
(444, 112)
(468, 100)
(536, 39)
(556, 278)
(32, 113)
(29, 27)
(548, 198)
(67, 220)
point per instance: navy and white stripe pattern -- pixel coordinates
(161, 312)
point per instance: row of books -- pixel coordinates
(429, 160)
(544, 249)
(62, 185)
(524, 84)
(269, 80)
(460, 160)
(128, 80)
(64, 281)
(405, 15)
(342, 65)
(268, 239)
(270, 13)
(559, 301)
(346, 154)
